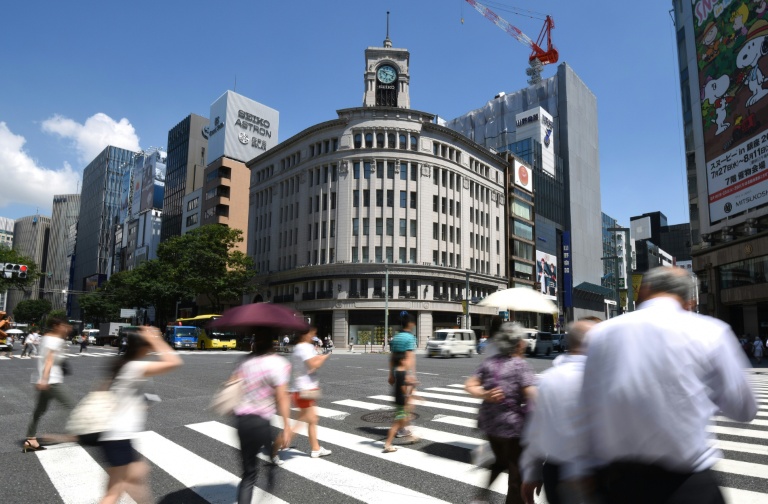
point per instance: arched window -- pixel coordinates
(369, 140)
(391, 140)
(403, 142)
(414, 143)
(358, 140)
(380, 140)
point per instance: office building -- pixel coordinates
(66, 210)
(100, 210)
(240, 130)
(187, 143)
(552, 126)
(31, 236)
(725, 117)
(6, 240)
(670, 243)
(614, 258)
(383, 207)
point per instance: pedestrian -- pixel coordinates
(758, 349)
(26, 347)
(316, 342)
(330, 345)
(128, 375)
(549, 450)
(652, 381)
(50, 378)
(403, 348)
(265, 378)
(403, 384)
(351, 343)
(9, 341)
(286, 342)
(84, 343)
(325, 345)
(123, 345)
(505, 383)
(305, 387)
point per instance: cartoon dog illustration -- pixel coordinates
(750, 54)
(714, 91)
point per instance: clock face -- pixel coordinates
(386, 74)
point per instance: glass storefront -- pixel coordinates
(744, 273)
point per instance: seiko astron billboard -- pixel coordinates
(240, 128)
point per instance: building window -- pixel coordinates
(367, 169)
(523, 230)
(413, 228)
(413, 257)
(443, 233)
(434, 230)
(390, 226)
(402, 252)
(403, 171)
(358, 140)
(390, 170)
(355, 256)
(403, 227)
(192, 220)
(435, 203)
(403, 142)
(391, 140)
(414, 143)
(355, 226)
(523, 271)
(366, 197)
(380, 140)
(365, 254)
(369, 140)
(390, 198)
(356, 170)
(193, 203)
(379, 197)
(403, 199)
(443, 205)
(355, 198)
(413, 199)
(521, 209)
(380, 170)
(523, 250)
(379, 226)
(377, 253)
(366, 222)
(390, 255)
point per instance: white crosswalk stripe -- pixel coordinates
(448, 417)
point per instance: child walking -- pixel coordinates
(404, 386)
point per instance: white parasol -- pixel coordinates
(520, 299)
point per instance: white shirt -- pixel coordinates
(302, 378)
(130, 414)
(652, 382)
(51, 344)
(548, 435)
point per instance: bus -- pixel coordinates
(180, 336)
(210, 338)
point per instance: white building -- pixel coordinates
(381, 192)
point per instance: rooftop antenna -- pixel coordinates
(387, 41)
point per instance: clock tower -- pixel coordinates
(387, 76)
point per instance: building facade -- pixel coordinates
(241, 129)
(725, 117)
(187, 144)
(100, 209)
(31, 236)
(552, 125)
(6, 240)
(381, 209)
(615, 275)
(66, 210)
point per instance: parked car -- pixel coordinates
(450, 342)
(558, 342)
(538, 342)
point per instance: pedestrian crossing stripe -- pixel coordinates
(215, 484)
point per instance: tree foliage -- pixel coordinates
(97, 306)
(60, 314)
(8, 255)
(205, 262)
(31, 311)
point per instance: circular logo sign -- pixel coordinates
(522, 173)
(243, 138)
(728, 207)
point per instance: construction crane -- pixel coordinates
(539, 57)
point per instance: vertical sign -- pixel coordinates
(567, 273)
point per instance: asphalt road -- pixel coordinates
(192, 460)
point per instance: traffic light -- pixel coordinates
(10, 269)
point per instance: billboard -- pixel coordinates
(731, 49)
(536, 123)
(240, 128)
(546, 274)
(152, 176)
(567, 271)
(523, 176)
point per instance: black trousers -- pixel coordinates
(551, 479)
(507, 453)
(633, 483)
(254, 433)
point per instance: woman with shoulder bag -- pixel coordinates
(505, 383)
(263, 380)
(127, 471)
(306, 387)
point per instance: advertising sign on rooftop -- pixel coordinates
(240, 128)
(732, 57)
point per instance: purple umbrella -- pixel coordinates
(262, 315)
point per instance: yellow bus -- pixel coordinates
(209, 338)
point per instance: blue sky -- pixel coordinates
(77, 75)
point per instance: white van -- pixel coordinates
(538, 342)
(450, 342)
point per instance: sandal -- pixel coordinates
(28, 447)
(390, 449)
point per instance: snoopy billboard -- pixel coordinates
(732, 58)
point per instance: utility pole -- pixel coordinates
(467, 324)
(386, 308)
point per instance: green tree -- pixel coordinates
(205, 262)
(61, 314)
(8, 255)
(31, 311)
(97, 306)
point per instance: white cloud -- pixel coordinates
(95, 134)
(24, 181)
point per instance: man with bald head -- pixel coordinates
(548, 440)
(652, 382)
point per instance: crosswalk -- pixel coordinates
(437, 465)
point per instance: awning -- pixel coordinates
(595, 290)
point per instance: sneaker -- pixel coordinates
(403, 433)
(277, 461)
(322, 452)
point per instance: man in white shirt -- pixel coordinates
(548, 440)
(652, 382)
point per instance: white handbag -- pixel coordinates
(228, 396)
(482, 455)
(92, 416)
